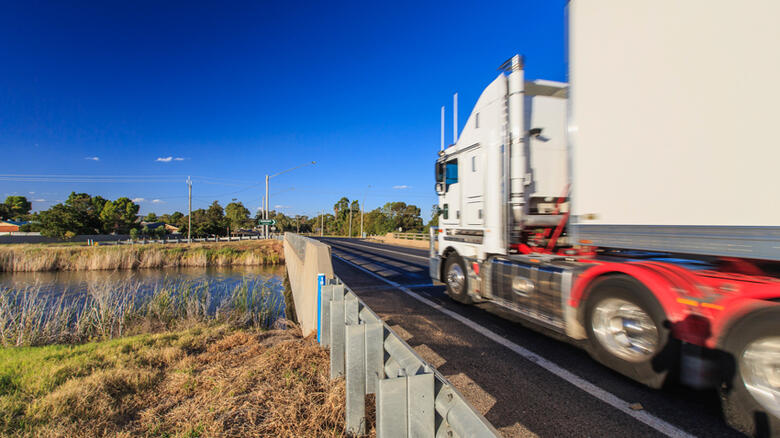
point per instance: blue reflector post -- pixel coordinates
(320, 283)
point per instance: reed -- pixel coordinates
(32, 258)
(109, 310)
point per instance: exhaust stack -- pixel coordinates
(455, 118)
(517, 158)
(442, 129)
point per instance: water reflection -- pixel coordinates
(78, 282)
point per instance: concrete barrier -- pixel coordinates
(305, 259)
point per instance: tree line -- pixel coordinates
(82, 213)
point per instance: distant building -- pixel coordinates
(169, 229)
(9, 226)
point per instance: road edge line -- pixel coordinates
(584, 385)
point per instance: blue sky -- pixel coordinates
(128, 98)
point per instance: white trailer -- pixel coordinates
(673, 125)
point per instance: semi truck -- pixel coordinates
(633, 209)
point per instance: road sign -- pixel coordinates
(267, 222)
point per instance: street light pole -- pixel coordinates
(363, 209)
(267, 199)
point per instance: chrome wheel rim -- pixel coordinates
(760, 370)
(456, 280)
(624, 329)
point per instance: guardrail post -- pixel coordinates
(337, 329)
(326, 297)
(391, 408)
(422, 415)
(356, 379)
(351, 308)
(375, 355)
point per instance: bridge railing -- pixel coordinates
(411, 236)
(412, 398)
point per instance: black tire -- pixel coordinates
(741, 410)
(461, 296)
(651, 370)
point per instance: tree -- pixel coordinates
(17, 206)
(237, 216)
(5, 212)
(119, 216)
(401, 215)
(87, 211)
(215, 219)
(173, 219)
(151, 217)
(59, 221)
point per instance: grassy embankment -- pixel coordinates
(31, 257)
(176, 361)
(203, 381)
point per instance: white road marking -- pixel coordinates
(379, 249)
(601, 394)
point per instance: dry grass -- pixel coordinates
(30, 258)
(207, 381)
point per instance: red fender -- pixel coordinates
(662, 287)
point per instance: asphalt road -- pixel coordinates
(525, 382)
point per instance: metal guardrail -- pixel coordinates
(411, 236)
(412, 398)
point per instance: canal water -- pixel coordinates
(219, 281)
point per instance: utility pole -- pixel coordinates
(189, 212)
(297, 225)
(265, 227)
(322, 223)
(350, 220)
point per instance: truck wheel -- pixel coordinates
(627, 330)
(457, 280)
(751, 391)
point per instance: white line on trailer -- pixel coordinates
(601, 394)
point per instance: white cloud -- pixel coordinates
(402, 187)
(92, 158)
(158, 201)
(39, 200)
(139, 200)
(279, 207)
(32, 193)
(168, 159)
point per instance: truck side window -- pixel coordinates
(452, 172)
(445, 211)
